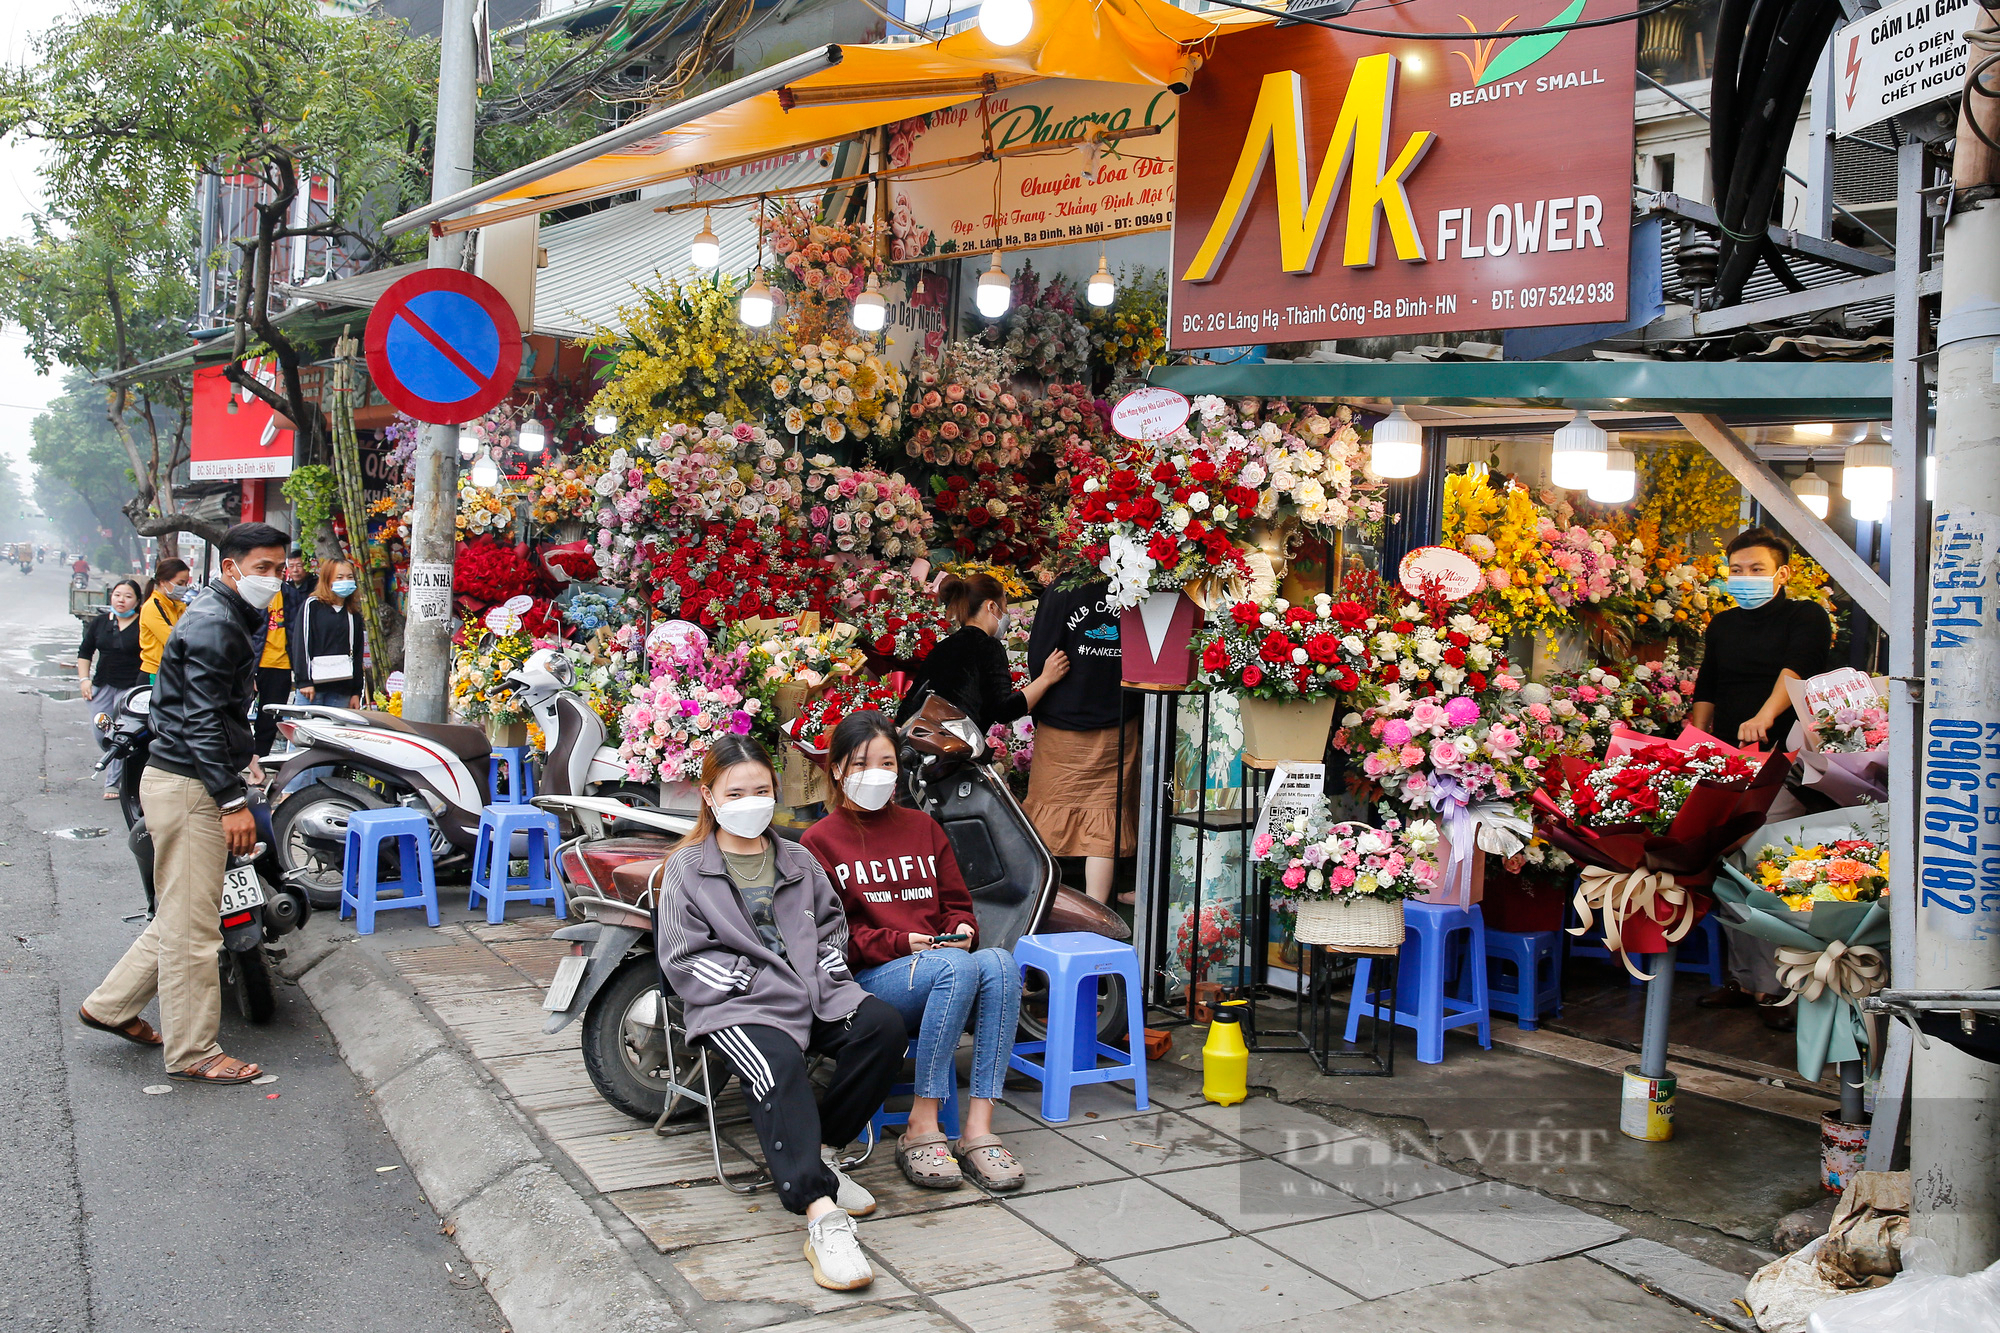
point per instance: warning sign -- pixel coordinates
(1899, 58)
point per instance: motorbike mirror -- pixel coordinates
(562, 669)
(139, 702)
(930, 732)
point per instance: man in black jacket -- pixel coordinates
(198, 813)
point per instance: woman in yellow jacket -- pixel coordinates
(166, 598)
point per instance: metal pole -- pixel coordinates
(1818, 219)
(1659, 1003)
(1851, 1081)
(434, 509)
(1148, 880)
(1955, 1106)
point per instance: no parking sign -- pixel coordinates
(443, 346)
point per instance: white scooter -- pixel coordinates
(364, 759)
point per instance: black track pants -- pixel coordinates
(867, 1053)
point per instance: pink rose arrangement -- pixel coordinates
(670, 486)
(963, 410)
(1850, 730)
(1310, 857)
(697, 695)
(861, 512)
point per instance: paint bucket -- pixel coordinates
(1843, 1150)
(1646, 1111)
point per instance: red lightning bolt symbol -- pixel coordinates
(1853, 69)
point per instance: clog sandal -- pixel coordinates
(987, 1162)
(927, 1162)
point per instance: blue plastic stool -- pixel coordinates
(1427, 931)
(888, 1119)
(360, 891)
(490, 878)
(520, 775)
(1535, 988)
(1073, 961)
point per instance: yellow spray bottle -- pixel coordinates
(1225, 1060)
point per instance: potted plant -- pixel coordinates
(1288, 665)
(1347, 881)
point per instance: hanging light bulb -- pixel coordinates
(705, 251)
(1006, 22)
(485, 472)
(1396, 447)
(1868, 477)
(1813, 492)
(605, 423)
(468, 444)
(534, 438)
(995, 291)
(1102, 287)
(756, 305)
(1620, 478)
(871, 311)
(1578, 459)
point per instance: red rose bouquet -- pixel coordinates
(993, 515)
(898, 616)
(1281, 651)
(489, 572)
(810, 730)
(1649, 822)
(1166, 515)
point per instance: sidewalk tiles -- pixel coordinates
(1260, 1217)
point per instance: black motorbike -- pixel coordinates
(259, 905)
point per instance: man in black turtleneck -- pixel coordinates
(1755, 646)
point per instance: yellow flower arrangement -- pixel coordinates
(1683, 491)
(1503, 532)
(1851, 870)
(479, 668)
(558, 493)
(828, 392)
(483, 513)
(1006, 576)
(1131, 333)
(681, 353)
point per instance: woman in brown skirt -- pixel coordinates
(1073, 783)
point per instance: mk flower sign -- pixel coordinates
(1356, 186)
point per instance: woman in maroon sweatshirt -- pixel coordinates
(912, 943)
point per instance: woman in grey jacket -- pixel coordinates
(751, 937)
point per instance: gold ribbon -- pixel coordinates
(1620, 895)
(1851, 971)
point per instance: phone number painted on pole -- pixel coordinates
(1959, 868)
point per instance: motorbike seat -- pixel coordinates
(468, 743)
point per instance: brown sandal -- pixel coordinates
(218, 1069)
(139, 1032)
(989, 1163)
(927, 1162)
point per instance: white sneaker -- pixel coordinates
(835, 1254)
(852, 1198)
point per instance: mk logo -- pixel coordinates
(1360, 140)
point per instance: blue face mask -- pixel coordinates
(1751, 593)
(343, 587)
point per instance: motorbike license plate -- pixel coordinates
(569, 972)
(241, 891)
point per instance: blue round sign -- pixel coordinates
(443, 346)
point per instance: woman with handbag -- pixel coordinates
(112, 642)
(325, 646)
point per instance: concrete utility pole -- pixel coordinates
(1955, 1103)
(433, 515)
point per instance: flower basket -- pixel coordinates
(506, 735)
(1353, 922)
(1156, 639)
(801, 781)
(1456, 888)
(1286, 731)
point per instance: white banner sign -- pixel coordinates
(1899, 58)
(430, 591)
(1077, 194)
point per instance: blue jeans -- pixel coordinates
(948, 987)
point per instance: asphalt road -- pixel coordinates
(201, 1208)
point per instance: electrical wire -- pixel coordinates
(1447, 36)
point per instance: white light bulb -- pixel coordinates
(605, 423)
(1616, 484)
(1823, 429)
(1005, 22)
(1102, 289)
(1813, 493)
(1578, 456)
(756, 305)
(534, 438)
(468, 444)
(485, 473)
(871, 311)
(705, 251)
(1396, 446)
(995, 291)
(1868, 479)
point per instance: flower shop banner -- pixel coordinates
(1349, 186)
(1056, 197)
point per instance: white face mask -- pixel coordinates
(871, 788)
(747, 817)
(258, 589)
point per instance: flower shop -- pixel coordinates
(1399, 636)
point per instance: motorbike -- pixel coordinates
(611, 979)
(259, 906)
(365, 759)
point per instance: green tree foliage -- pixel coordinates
(82, 477)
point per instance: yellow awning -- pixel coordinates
(1144, 42)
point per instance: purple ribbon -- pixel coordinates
(1449, 799)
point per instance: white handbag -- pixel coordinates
(333, 666)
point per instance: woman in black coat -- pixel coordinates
(111, 641)
(970, 667)
(326, 644)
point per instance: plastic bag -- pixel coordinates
(1924, 1298)
(1784, 1293)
